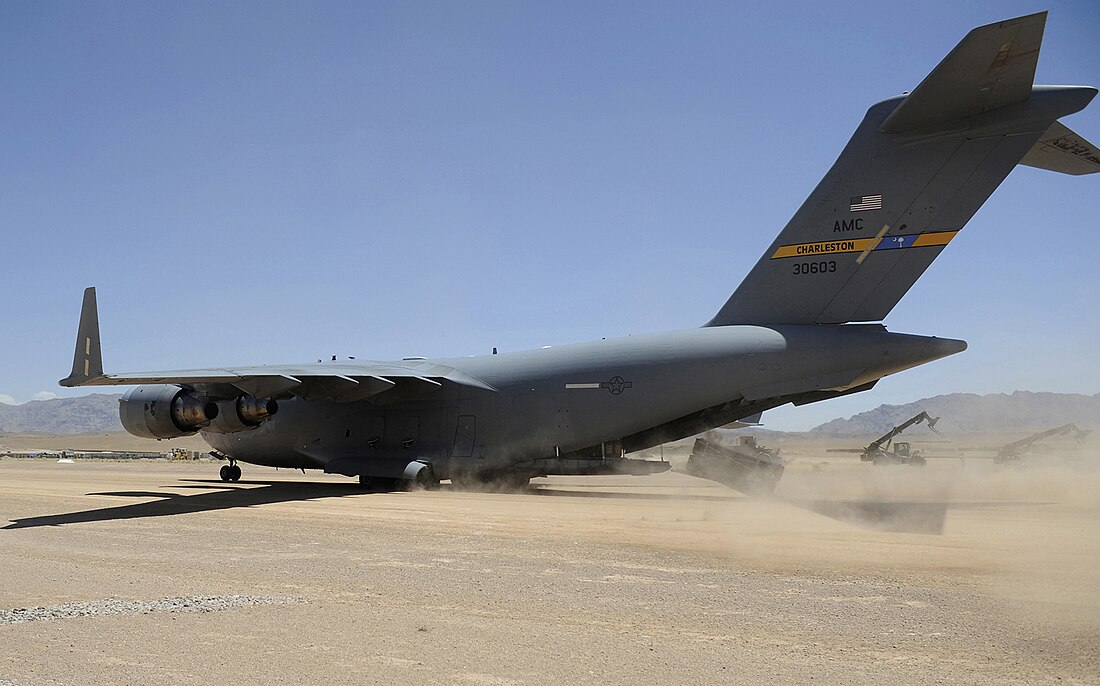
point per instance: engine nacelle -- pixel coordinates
(245, 412)
(164, 411)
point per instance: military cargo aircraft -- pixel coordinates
(800, 328)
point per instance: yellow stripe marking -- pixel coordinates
(864, 246)
(938, 238)
(822, 248)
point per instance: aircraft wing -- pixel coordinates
(342, 382)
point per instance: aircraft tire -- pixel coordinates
(235, 473)
(225, 473)
(425, 481)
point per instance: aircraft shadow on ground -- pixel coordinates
(218, 495)
(898, 517)
(215, 495)
(618, 495)
(895, 517)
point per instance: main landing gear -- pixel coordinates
(230, 472)
(424, 480)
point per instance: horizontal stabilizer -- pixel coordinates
(1062, 150)
(913, 174)
(993, 66)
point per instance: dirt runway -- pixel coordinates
(156, 572)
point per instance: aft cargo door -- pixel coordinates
(465, 433)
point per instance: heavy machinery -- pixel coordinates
(745, 466)
(1014, 452)
(881, 452)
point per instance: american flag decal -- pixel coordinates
(862, 203)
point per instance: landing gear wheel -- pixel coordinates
(425, 481)
(226, 473)
(234, 473)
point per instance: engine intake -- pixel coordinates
(245, 412)
(164, 412)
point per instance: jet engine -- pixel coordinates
(164, 411)
(245, 412)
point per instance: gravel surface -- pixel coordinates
(588, 580)
(114, 606)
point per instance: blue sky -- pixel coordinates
(276, 182)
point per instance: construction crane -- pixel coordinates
(881, 452)
(1014, 452)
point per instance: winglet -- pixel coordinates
(88, 358)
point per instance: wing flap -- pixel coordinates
(342, 388)
(267, 386)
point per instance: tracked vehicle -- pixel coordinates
(745, 466)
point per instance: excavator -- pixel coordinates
(884, 451)
(1013, 453)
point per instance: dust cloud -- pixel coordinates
(1029, 534)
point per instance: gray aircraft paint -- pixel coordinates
(563, 400)
(914, 172)
(930, 160)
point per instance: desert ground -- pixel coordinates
(157, 572)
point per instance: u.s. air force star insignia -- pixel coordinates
(616, 385)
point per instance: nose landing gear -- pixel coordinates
(230, 472)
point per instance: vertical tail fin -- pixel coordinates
(915, 171)
(88, 357)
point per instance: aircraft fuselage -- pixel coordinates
(563, 399)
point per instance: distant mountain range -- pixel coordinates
(960, 412)
(972, 412)
(87, 414)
